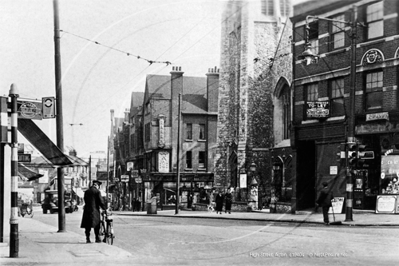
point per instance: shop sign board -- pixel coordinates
(135, 173)
(337, 205)
(386, 204)
(320, 109)
(138, 180)
(243, 180)
(124, 178)
(24, 157)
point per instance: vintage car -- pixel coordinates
(50, 202)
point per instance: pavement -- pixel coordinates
(41, 244)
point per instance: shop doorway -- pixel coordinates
(306, 175)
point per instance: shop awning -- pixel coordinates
(78, 191)
(27, 173)
(41, 142)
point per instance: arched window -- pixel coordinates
(282, 109)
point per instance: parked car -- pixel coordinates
(50, 202)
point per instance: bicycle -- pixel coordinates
(106, 228)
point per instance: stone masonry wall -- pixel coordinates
(246, 86)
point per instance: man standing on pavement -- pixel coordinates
(324, 200)
(91, 211)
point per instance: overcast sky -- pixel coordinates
(95, 77)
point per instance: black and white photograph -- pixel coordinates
(199, 132)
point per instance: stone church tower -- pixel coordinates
(255, 54)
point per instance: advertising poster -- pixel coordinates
(337, 205)
(386, 204)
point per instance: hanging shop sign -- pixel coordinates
(320, 109)
(129, 166)
(161, 137)
(135, 173)
(124, 178)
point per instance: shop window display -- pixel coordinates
(390, 174)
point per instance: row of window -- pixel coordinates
(201, 159)
(373, 93)
(374, 24)
(188, 132)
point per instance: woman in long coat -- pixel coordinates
(91, 211)
(229, 201)
(219, 202)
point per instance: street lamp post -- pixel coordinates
(310, 57)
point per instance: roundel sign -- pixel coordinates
(48, 107)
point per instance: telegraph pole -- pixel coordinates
(59, 118)
(178, 157)
(351, 122)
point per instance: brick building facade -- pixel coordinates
(328, 81)
(149, 150)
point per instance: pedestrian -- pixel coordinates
(229, 201)
(324, 200)
(91, 211)
(219, 202)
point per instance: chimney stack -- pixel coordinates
(212, 85)
(176, 86)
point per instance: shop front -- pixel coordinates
(376, 184)
(387, 200)
(192, 189)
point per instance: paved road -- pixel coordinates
(182, 241)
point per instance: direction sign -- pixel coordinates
(24, 158)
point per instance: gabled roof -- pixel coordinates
(136, 100)
(194, 92)
(157, 86)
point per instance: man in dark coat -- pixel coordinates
(91, 211)
(219, 202)
(324, 200)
